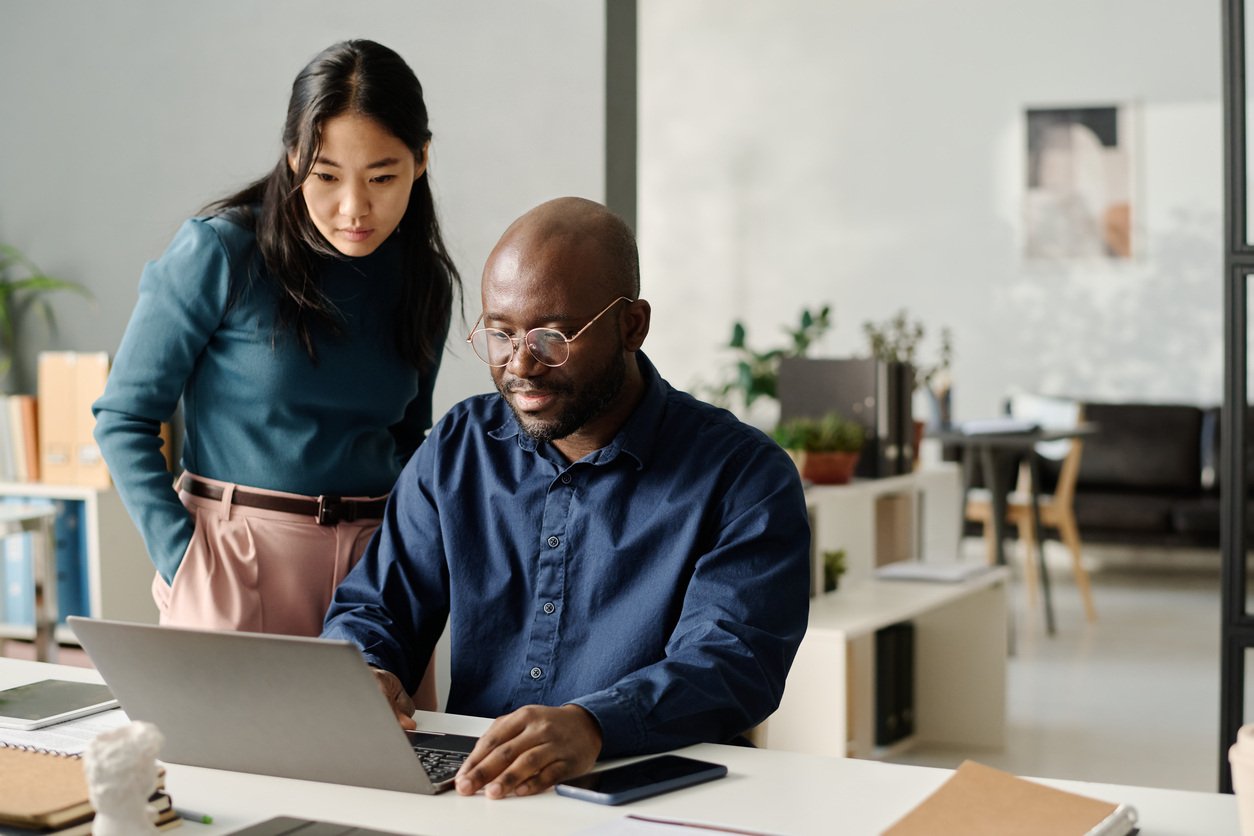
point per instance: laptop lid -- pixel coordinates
(251, 702)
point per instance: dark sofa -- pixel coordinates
(1149, 475)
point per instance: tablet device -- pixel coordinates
(50, 701)
(651, 776)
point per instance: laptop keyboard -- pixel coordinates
(440, 765)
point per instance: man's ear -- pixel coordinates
(636, 322)
(420, 165)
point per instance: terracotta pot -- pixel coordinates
(829, 468)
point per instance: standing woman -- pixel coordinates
(301, 321)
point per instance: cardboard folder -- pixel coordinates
(69, 383)
(978, 800)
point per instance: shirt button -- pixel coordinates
(549, 609)
(554, 542)
(536, 673)
(565, 478)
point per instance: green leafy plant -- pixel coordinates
(23, 288)
(833, 433)
(755, 374)
(833, 567)
(898, 340)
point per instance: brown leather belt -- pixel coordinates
(326, 509)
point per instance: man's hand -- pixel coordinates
(529, 750)
(400, 701)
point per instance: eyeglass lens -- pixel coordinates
(495, 347)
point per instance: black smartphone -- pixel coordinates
(651, 776)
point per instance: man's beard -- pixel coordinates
(588, 403)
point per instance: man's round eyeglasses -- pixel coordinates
(548, 345)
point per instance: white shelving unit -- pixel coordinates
(960, 667)
(914, 516)
(960, 628)
(119, 574)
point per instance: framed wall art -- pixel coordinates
(1080, 183)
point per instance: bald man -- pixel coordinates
(623, 568)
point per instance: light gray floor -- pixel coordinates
(1132, 699)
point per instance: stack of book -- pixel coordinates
(46, 792)
(19, 439)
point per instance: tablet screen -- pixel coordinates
(51, 701)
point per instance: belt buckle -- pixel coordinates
(330, 508)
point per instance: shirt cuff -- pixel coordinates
(622, 724)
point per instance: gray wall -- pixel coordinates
(869, 153)
(120, 119)
(865, 153)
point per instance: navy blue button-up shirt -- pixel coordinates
(661, 582)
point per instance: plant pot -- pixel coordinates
(829, 468)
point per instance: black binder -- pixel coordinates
(876, 394)
(894, 683)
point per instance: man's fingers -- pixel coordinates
(529, 750)
(402, 705)
(548, 776)
(491, 754)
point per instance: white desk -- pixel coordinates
(778, 792)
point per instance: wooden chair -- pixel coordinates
(1057, 513)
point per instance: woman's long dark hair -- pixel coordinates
(365, 78)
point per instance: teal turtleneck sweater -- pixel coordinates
(257, 411)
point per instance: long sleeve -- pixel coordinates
(181, 299)
(394, 603)
(743, 616)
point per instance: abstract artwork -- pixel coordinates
(1078, 202)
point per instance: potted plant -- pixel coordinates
(23, 287)
(826, 448)
(833, 567)
(898, 340)
(754, 374)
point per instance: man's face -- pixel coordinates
(555, 286)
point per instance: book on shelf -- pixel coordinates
(17, 552)
(978, 800)
(19, 574)
(19, 438)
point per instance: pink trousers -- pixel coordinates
(262, 571)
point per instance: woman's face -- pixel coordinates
(359, 187)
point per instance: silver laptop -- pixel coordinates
(273, 705)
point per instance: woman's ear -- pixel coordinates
(291, 162)
(420, 165)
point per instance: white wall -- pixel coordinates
(869, 153)
(120, 119)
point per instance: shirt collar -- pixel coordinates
(636, 437)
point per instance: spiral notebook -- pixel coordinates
(41, 790)
(68, 739)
